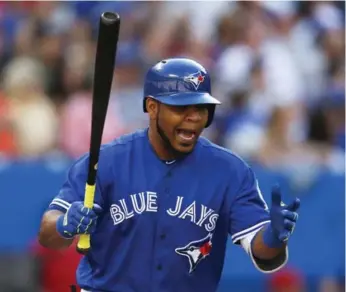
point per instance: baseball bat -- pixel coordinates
(108, 35)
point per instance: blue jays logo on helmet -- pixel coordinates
(196, 251)
(196, 79)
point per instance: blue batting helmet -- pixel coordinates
(179, 81)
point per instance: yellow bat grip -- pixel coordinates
(84, 239)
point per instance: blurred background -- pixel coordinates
(279, 69)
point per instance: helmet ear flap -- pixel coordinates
(211, 112)
(145, 105)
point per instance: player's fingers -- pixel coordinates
(92, 227)
(84, 211)
(293, 216)
(83, 227)
(289, 225)
(294, 206)
(91, 215)
(87, 213)
(86, 220)
(97, 209)
(79, 221)
(276, 195)
(284, 236)
(77, 217)
(87, 227)
(75, 221)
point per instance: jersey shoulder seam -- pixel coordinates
(121, 141)
(222, 149)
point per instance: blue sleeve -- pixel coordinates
(249, 211)
(73, 188)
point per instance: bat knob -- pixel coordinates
(110, 18)
(82, 251)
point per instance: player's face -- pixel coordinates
(180, 126)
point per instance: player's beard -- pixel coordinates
(167, 143)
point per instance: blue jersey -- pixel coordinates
(165, 224)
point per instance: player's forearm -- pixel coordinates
(48, 235)
(261, 251)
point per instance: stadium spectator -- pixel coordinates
(75, 124)
(286, 280)
(278, 67)
(57, 268)
(30, 112)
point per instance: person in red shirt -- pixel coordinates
(287, 280)
(58, 268)
(7, 140)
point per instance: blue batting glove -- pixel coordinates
(283, 220)
(78, 220)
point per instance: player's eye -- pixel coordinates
(181, 108)
(177, 109)
(202, 106)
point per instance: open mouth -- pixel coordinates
(186, 135)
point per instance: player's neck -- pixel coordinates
(159, 146)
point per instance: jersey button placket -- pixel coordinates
(162, 235)
(167, 188)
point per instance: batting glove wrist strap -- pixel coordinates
(61, 229)
(270, 239)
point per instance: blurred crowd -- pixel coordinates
(277, 66)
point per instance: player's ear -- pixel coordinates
(152, 108)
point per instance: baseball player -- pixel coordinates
(167, 199)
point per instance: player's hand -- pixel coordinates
(283, 220)
(78, 220)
